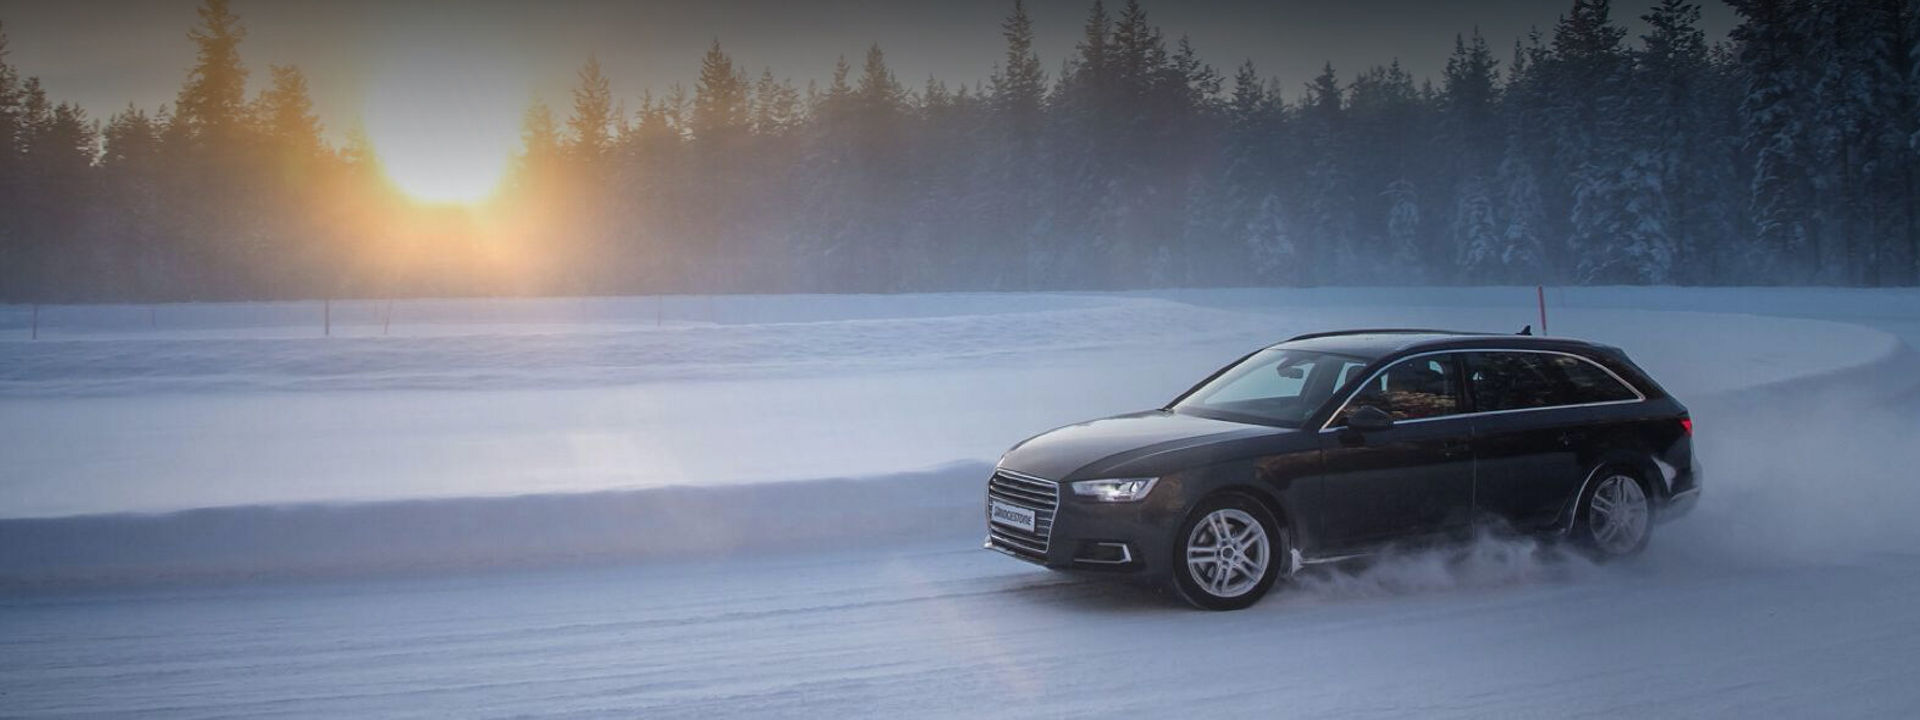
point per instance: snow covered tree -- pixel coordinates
(1272, 249)
(1687, 123)
(1587, 112)
(1403, 232)
(1476, 230)
(1859, 100)
(1330, 250)
(1775, 118)
(1521, 254)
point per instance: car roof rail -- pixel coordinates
(1380, 331)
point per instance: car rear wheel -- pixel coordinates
(1228, 553)
(1616, 517)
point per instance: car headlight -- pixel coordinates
(1115, 489)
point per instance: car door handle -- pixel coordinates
(1455, 449)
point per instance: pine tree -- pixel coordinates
(1470, 93)
(1858, 110)
(1476, 230)
(1272, 250)
(10, 110)
(1521, 255)
(776, 106)
(1330, 252)
(1017, 96)
(540, 143)
(1586, 106)
(1382, 151)
(1403, 230)
(1912, 113)
(13, 269)
(1019, 86)
(879, 167)
(720, 99)
(588, 140)
(1775, 125)
(1243, 207)
(58, 146)
(1470, 133)
(287, 121)
(212, 104)
(1687, 125)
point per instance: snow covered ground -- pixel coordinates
(607, 507)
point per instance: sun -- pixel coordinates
(444, 125)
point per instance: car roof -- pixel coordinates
(1375, 343)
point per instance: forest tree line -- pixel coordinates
(1786, 153)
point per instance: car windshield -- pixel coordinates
(1272, 387)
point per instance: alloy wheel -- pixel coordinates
(1228, 553)
(1618, 514)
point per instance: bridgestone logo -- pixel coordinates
(1000, 513)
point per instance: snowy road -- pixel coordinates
(1787, 594)
(942, 630)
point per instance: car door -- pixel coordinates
(1412, 479)
(1532, 436)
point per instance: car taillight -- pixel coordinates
(1686, 426)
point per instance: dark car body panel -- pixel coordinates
(1339, 491)
(1409, 480)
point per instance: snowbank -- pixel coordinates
(493, 345)
(278, 541)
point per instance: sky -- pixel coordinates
(491, 57)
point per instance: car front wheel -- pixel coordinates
(1228, 553)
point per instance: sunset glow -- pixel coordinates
(445, 126)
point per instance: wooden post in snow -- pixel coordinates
(326, 317)
(1540, 291)
(386, 317)
(36, 322)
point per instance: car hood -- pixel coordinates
(1136, 444)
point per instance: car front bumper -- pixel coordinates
(1129, 538)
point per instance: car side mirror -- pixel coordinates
(1368, 418)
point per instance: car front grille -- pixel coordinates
(1037, 494)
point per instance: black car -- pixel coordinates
(1333, 445)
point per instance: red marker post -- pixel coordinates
(1540, 292)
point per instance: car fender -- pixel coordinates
(1277, 482)
(1639, 461)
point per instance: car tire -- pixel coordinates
(1614, 519)
(1198, 558)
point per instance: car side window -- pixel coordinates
(1589, 383)
(1513, 381)
(1524, 380)
(1423, 387)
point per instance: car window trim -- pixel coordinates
(1639, 396)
